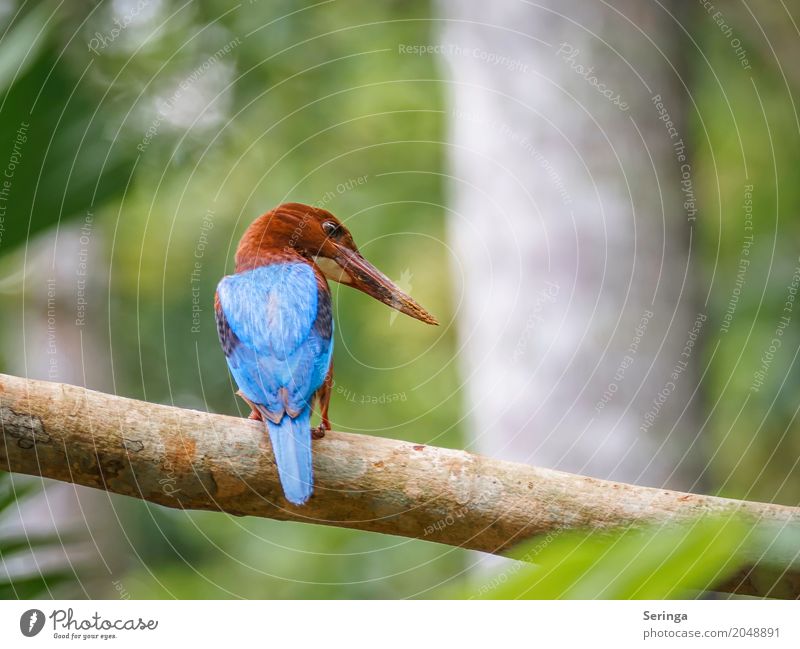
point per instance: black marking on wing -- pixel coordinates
(323, 325)
(227, 338)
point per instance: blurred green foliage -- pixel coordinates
(674, 561)
(202, 116)
(654, 562)
(60, 158)
(747, 133)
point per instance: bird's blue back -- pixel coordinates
(276, 330)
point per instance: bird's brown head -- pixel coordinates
(293, 229)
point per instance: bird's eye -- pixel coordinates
(331, 229)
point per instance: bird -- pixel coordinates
(275, 325)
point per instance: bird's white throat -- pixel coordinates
(332, 270)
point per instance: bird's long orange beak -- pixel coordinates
(365, 277)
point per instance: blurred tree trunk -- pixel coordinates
(571, 231)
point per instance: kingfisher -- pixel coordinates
(275, 325)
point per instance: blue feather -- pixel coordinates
(291, 444)
(279, 357)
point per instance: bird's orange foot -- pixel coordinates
(318, 432)
(256, 415)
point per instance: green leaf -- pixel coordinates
(59, 157)
(22, 43)
(11, 493)
(11, 545)
(654, 562)
(32, 587)
(28, 586)
(777, 544)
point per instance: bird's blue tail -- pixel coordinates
(291, 444)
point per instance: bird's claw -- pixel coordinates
(318, 432)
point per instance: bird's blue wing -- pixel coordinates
(279, 343)
(275, 326)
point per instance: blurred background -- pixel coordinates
(599, 203)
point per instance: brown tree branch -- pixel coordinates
(194, 460)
